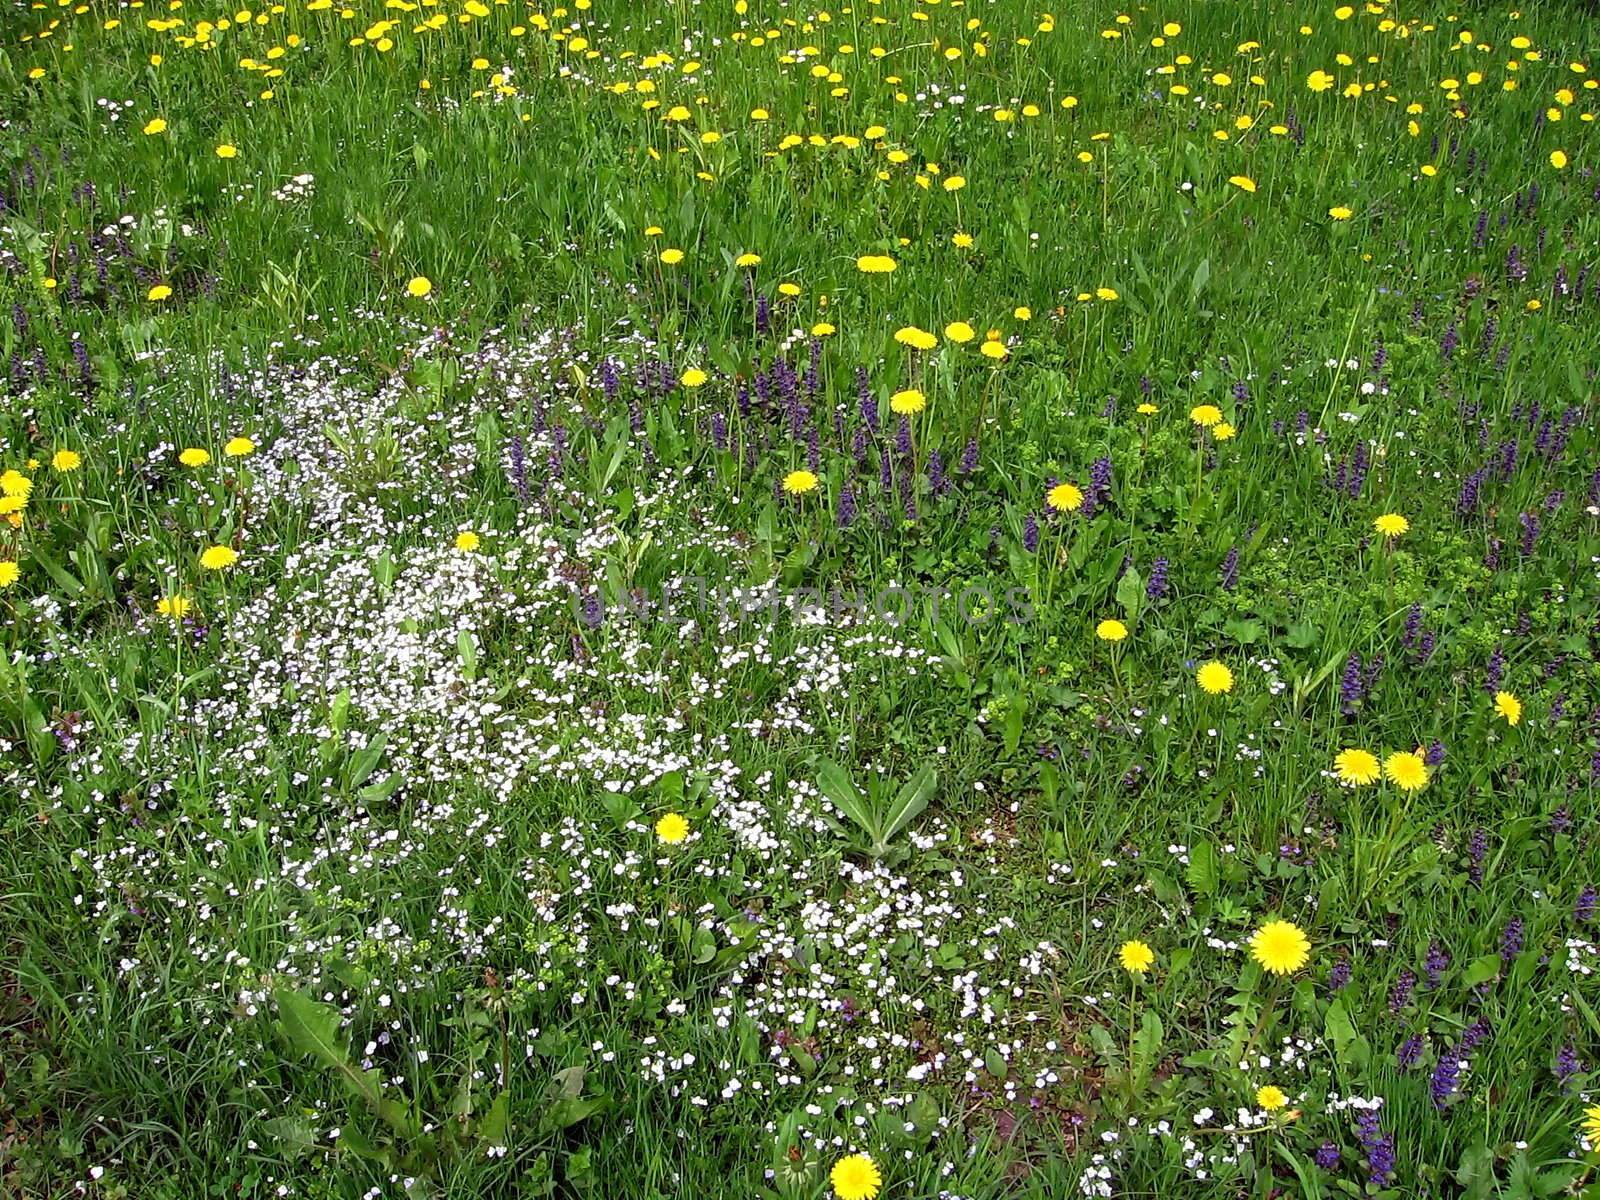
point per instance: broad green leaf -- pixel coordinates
(1130, 594)
(1016, 716)
(1147, 1048)
(494, 1127)
(365, 760)
(1202, 869)
(1349, 1047)
(994, 1063)
(311, 1028)
(834, 782)
(1482, 970)
(295, 1135)
(910, 802)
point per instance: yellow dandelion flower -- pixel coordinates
(1591, 1124)
(672, 828)
(218, 558)
(1508, 706)
(1136, 957)
(1392, 525)
(1111, 630)
(798, 483)
(1280, 947)
(855, 1177)
(908, 402)
(917, 339)
(1271, 1098)
(1406, 770)
(1357, 767)
(1214, 678)
(1064, 497)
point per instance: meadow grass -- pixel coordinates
(739, 599)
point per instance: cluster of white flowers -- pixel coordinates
(441, 693)
(299, 187)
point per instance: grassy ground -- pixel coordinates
(536, 664)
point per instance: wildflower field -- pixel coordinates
(904, 598)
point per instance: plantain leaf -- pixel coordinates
(910, 803)
(834, 781)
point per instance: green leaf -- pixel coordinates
(1520, 1179)
(565, 1113)
(702, 945)
(66, 579)
(1130, 594)
(568, 1084)
(339, 711)
(1202, 870)
(909, 803)
(1245, 632)
(835, 784)
(1147, 1048)
(1349, 1047)
(923, 1114)
(36, 728)
(1475, 1173)
(294, 1134)
(1164, 887)
(355, 1142)
(493, 1129)
(365, 760)
(1482, 970)
(994, 1063)
(311, 1028)
(377, 793)
(1302, 635)
(1016, 716)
